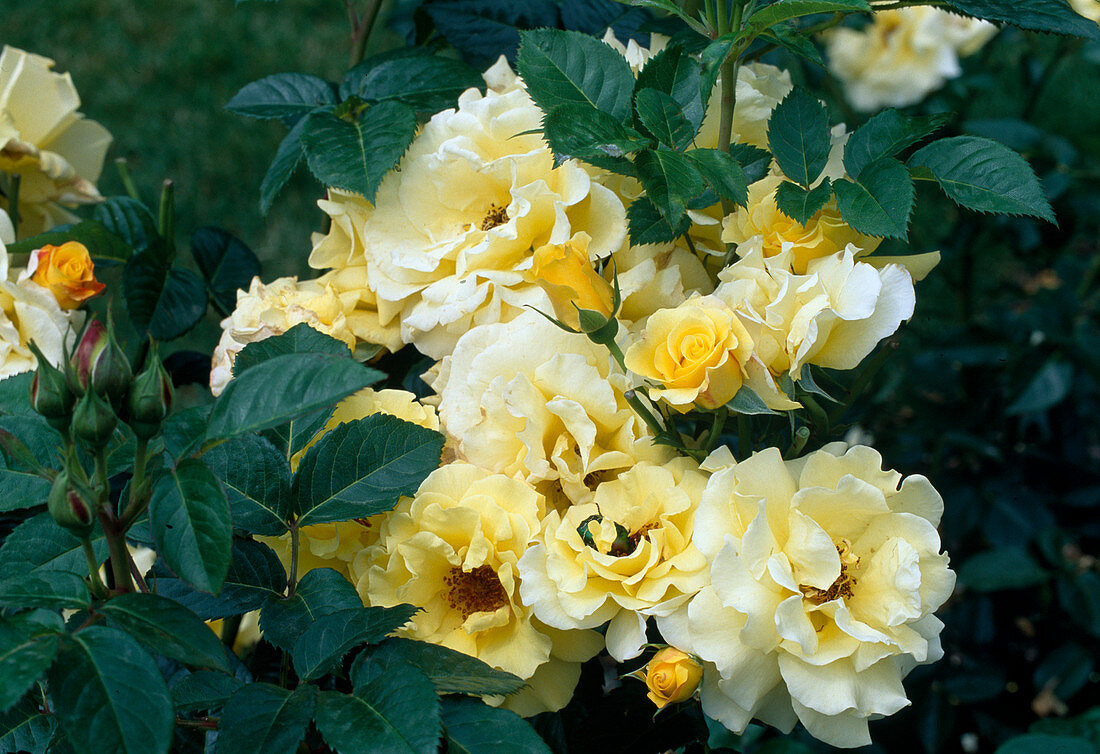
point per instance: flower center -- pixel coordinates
(844, 583)
(496, 215)
(476, 591)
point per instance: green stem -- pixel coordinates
(801, 437)
(643, 411)
(716, 428)
(292, 581)
(127, 180)
(120, 556)
(744, 436)
(167, 217)
(361, 30)
(817, 413)
(13, 201)
(137, 499)
(99, 589)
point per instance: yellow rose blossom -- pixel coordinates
(824, 574)
(1090, 9)
(823, 234)
(903, 55)
(248, 632)
(57, 153)
(566, 274)
(452, 550)
(527, 399)
(696, 352)
(449, 240)
(268, 309)
(657, 276)
(671, 676)
(621, 558)
(67, 271)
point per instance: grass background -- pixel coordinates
(157, 74)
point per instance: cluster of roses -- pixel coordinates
(791, 589)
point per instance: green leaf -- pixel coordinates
(786, 10)
(1032, 743)
(427, 83)
(285, 388)
(49, 589)
(363, 467)
(1035, 15)
(264, 719)
(586, 133)
(110, 696)
(712, 57)
(1003, 568)
(286, 160)
(321, 592)
(225, 262)
(886, 134)
(450, 671)
(671, 181)
(257, 483)
(26, 650)
(103, 245)
(397, 714)
(674, 72)
(560, 67)
(39, 544)
(798, 203)
(788, 36)
(166, 302)
(984, 175)
(299, 339)
(24, 729)
(168, 628)
(648, 226)
(723, 173)
(756, 162)
(192, 524)
(183, 431)
(255, 574)
(321, 646)
(129, 220)
(748, 402)
(355, 156)
(798, 136)
(288, 96)
(473, 727)
(38, 445)
(880, 202)
(661, 115)
(15, 392)
(1050, 386)
(202, 690)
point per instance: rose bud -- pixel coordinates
(672, 676)
(70, 507)
(150, 398)
(94, 420)
(569, 279)
(99, 362)
(50, 394)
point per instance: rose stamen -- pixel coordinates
(497, 215)
(844, 583)
(476, 591)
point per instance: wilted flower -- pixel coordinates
(66, 271)
(825, 572)
(56, 151)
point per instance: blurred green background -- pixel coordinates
(157, 74)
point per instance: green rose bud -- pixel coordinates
(100, 364)
(150, 398)
(94, 420)
(70, 507)
(50, 395)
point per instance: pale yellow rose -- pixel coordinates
(696, 353)
(623, 557)
(527, 399)
(268, 309)
(1090, 9)
(823, 234)
(824, 574)
(66, 271)
(452, 550)
(657, 276)
(832, 316)
(565, 272)
(7, 230)
(903, 55)
(449, 241)
(760, 87)
(672, 676)
(30, 312)
(636, 55)
(56, 151)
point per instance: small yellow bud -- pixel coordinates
(569, 279)
(672, 676)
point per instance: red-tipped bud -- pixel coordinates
(71, 507)
(100, 364)
(50, 395)
(150, 398)
(94, 420)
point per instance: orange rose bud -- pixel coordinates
(672, 676)
(67, 272)
(569, 279)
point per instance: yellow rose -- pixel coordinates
(30, 312)
(565, 272)
(672, 676)
(823, 234)
(697, 352)
(67, 271)
(1090, 9)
